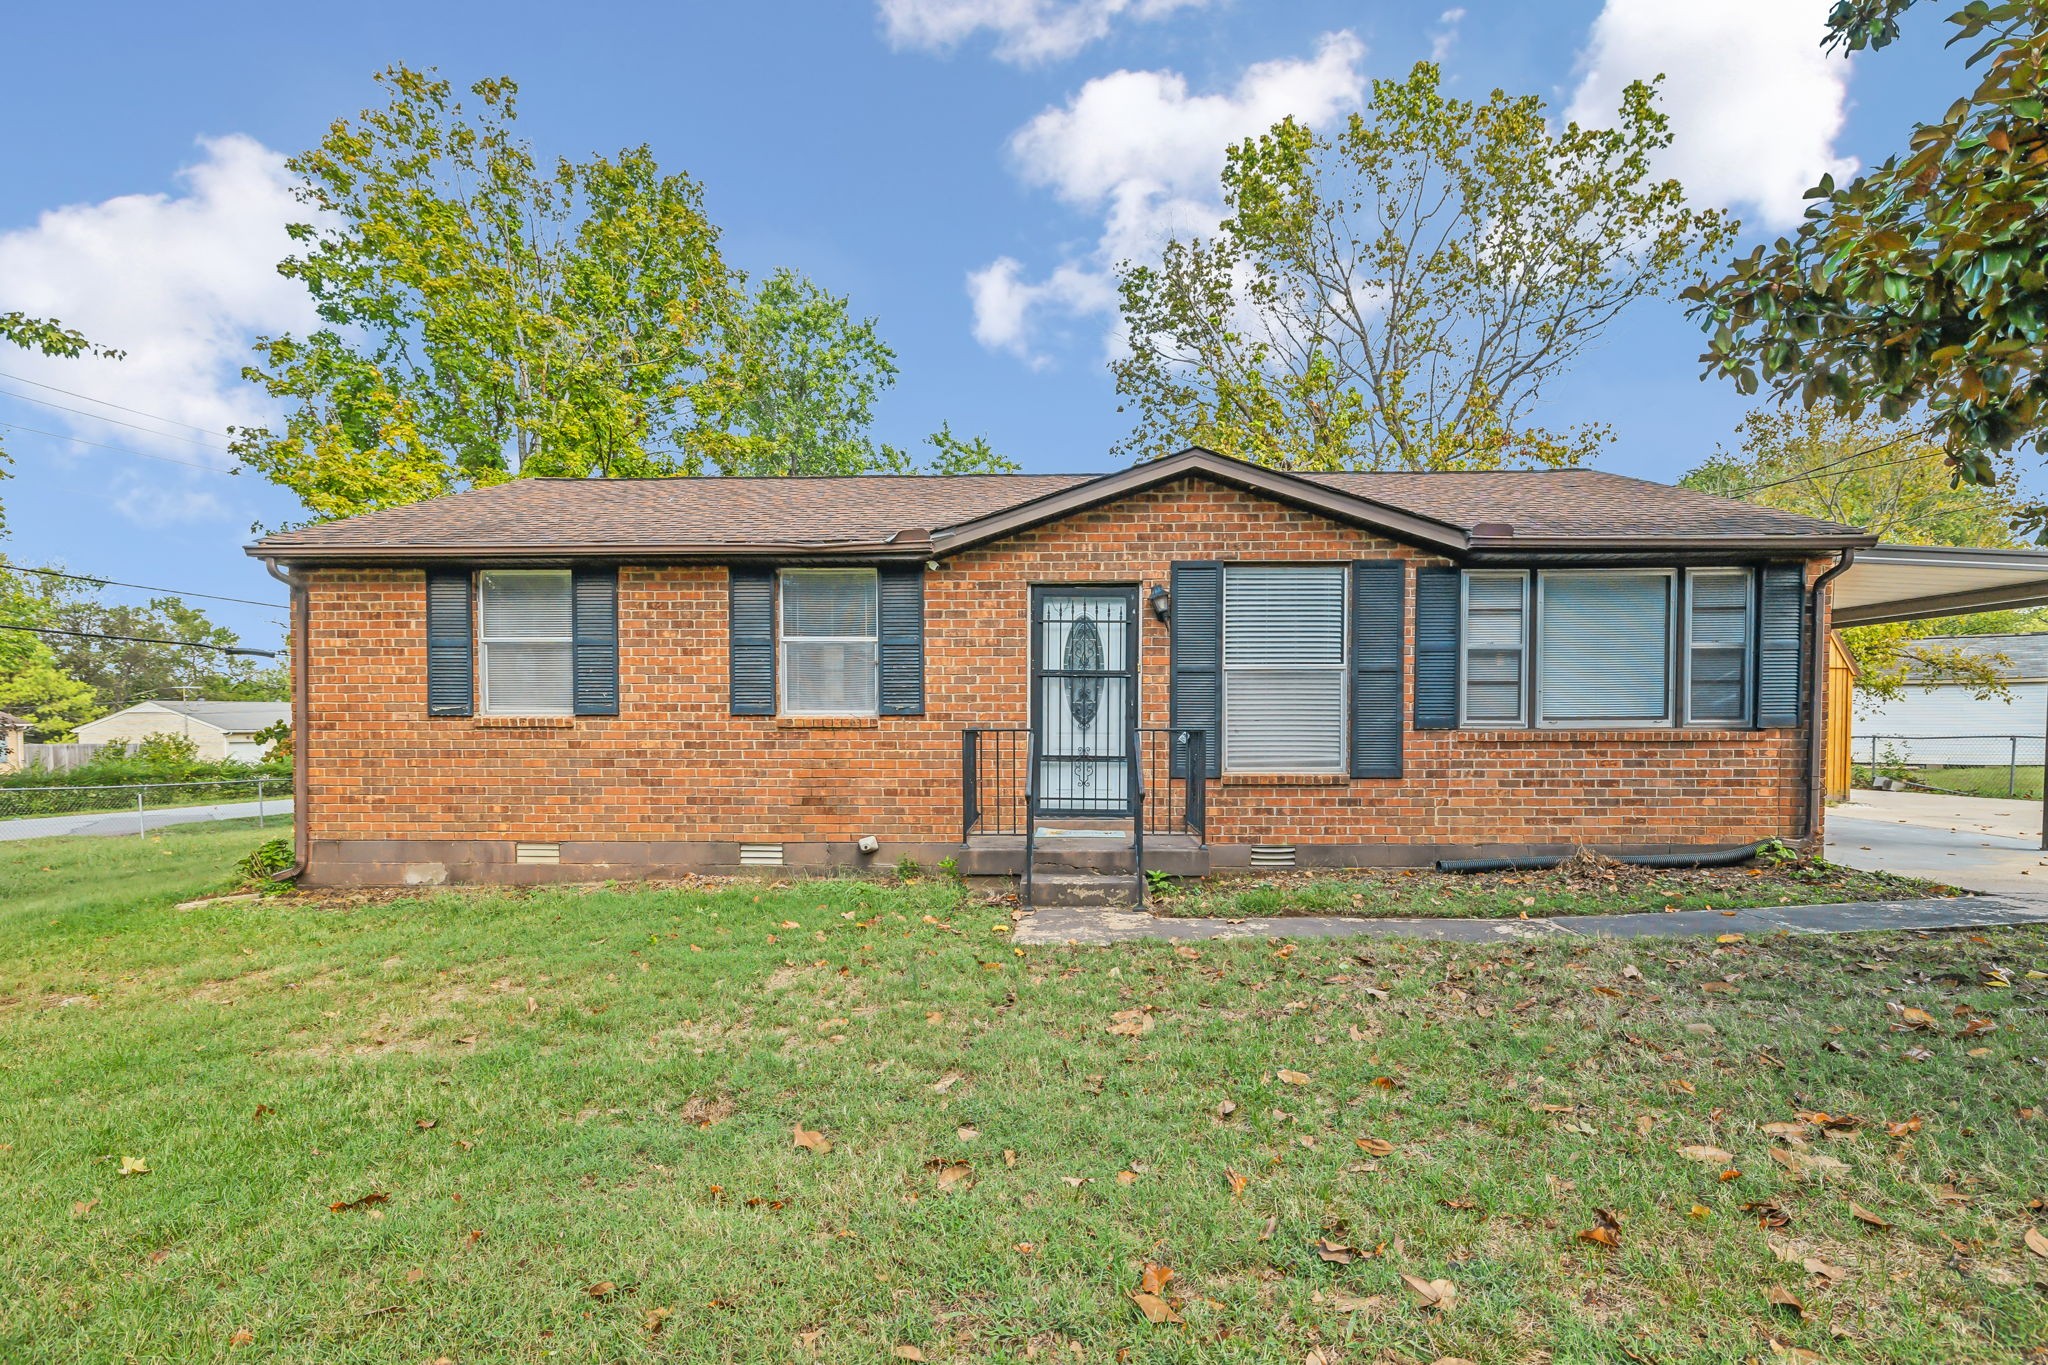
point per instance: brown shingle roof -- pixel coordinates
(1576, 504)
(899, 514)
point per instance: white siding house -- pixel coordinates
(1944, 723)
(220, 729)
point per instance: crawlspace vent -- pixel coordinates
(534, 855)
(760, 855)
(1272, 855)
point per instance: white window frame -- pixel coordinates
(484, 643)
(1672, 627)
(783, 639)
(1465, 648)
(1749, 620)
(1341, 668)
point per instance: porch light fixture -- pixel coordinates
(1161, 600)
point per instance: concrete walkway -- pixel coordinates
(1096, 926)
(1974, 842)
(130, 822)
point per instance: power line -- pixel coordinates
(102, 417)
(118, 450)
(139, 587)
(109, 403)
(147, 640)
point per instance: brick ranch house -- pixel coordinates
(585, 679)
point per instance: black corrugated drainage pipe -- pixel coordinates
(1724, 857)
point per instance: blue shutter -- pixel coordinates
(1195, 672)
(900, 612)
(1781, 646)
(594, 611)
(1379, 599)
(752, 644)
(1436, 649)
(451, 644)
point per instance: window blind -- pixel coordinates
(1605, 655)
(1496, 647)
(1717, 645)
(1283, 669)
(830, 645)
(526, 636)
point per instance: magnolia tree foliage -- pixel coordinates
(1892, 481)
(1397, 294)
(487, 315)
(1921, 287)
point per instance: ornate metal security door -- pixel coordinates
(1084, 666)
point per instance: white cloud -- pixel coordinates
(1143, 153)
(1446, 35)
(180, 282)
(1026, 31)
(1755, 104)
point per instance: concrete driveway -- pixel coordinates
(1967, 841)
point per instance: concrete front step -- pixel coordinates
(1061, 889)
(1177, 855)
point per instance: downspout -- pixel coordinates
(1817, 735)
(299, 660)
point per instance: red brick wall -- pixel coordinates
(675, 766)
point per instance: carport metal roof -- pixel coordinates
(1912, 582)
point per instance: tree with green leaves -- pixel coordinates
(1862, 473)
(488, 316)
(1920, 288)
(33, 683)
(1397, 294)
(794, 392)
(46, 337)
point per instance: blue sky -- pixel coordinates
(965, 170)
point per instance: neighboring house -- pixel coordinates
(220, 729)
(597, 678)
(1949, 723)
(13, 743)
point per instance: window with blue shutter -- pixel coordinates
(1718, 607)
(1379, 600)
(595, 630)
(751, 640)
(901, 594)
(1493, 663)
(1438, 604)
(1195, 672)
(451, 666)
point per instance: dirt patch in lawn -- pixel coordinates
(1586, 884)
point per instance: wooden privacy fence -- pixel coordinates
(59, 758)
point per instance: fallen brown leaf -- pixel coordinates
(810, 1141)
(1237, 1182)
(1438, 1295)
(603, 1289)
(366, 1201)
(906, 1353)
(1294, 1077)
(1863, 1215)
(2036, 1242)
(1712, 1156)
(1373, 1146)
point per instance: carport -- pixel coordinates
(1886, 583)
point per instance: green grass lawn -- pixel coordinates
(578, 1107)
(1579, 887)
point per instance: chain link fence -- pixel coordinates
(138, 808)
(1967, 765)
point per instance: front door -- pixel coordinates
(1084, 669)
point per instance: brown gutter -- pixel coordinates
(1789, 546)
(1816, 738)
(300, 737)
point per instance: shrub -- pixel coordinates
(266, 860)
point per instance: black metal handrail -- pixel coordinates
(1137, 791)
(998, 781)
